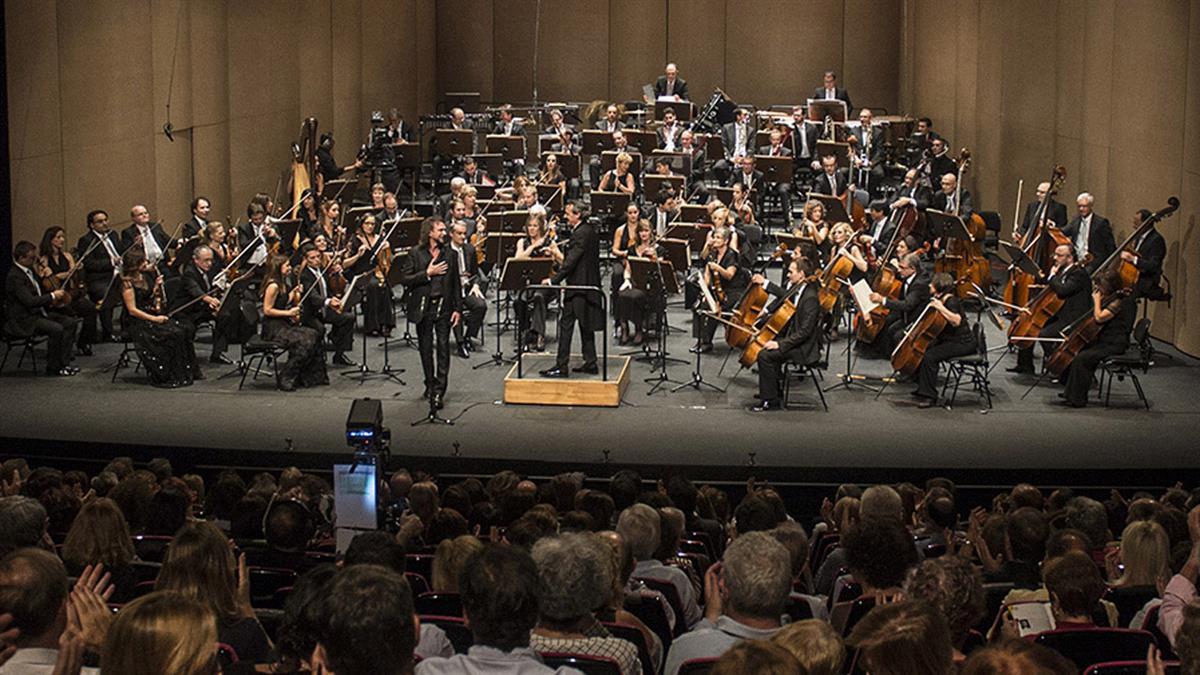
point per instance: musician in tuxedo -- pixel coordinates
(1055, 214)
(434, 303)
(668, 134)
(829, 91)
(831, 180)
(29, 312)
(458, 120)
(697, 154)
(880, 229)
(189, 233)
(662, 213)
(1091, 233)
(867, 155)
(1148, 253)
(1116, 314)
(612, 119)
(580, 267)
(912, 193)
(670, 84)
(940, 161)
(148, 235)
(319, 308)
(1070, 282)
(738, 139)
(557, 124)
(945, 199)
(198, 301)
(777, 148)
(398, 131)
(473, 287)
(800, 340)
(803, 143)
(566, 144)
(506, 125)
(256, 236)
(914, 295)
(101, 267)
(473, 175)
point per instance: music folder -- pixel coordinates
(643, 271)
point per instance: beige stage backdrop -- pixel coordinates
(1110, 89)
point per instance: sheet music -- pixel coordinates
(862, 296)
(351, 286)
(708, 296)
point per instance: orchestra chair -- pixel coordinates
(128, 351)
(991, 237)
(973, 367)
(698, 666)
(26, 344)
(1088, 646)
(257, 353)
(1137, 357)
(1129, 668)
(794, 372)
(584, 663)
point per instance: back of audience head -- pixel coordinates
(288, 525)
(33, 589)
(1145, 553)
(423, 500)
(449, 560)
(903, 638)
(199, 565)
(574, 578)
(793, 537)
(163, 632)
(375, 548)
(23, 523)
(954, 587)
(362, 604)
(879, 553)
(169, 508)
(599, 505)
(445, 524)
(815, 644)
(756, 657)
(1187, 639)
(881, 501)
(1075, 587)
(754, 514)
(1017, 657)
(641, 528)
(1026, 495)
(1025, 532)
(298, 628)
(1062, 542)
(499, 595)
(847, 512)
(1090, 517)
(98, 535)
(756, 577)
(625, 486)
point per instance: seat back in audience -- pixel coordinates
(265, 583)
(584, 663)
(1129, 668)
(420, 563)
(633, 634)
(151, 548)
(798, 609)
(455, 628)
(440, 604)
(1089, 646)
(1130, 600)
(417, 583)
(703, 538)
(697, 666)
(227, 656)
(1150, 625)
(650, 611)
(269, 619)
(993, 596)
(672, 595)
(846, 615)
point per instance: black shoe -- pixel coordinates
(926, 403)
(766, 406)
(701, 349)
(287, 386)
(220, 358)
(436, 404)
(425, 394)
(1062, 394)
(61, 372)
(589, 368)
(463, 352)
(1020, 370)
(553, 372)
(85, 350)
(340, 359)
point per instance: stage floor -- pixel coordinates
(690, 427)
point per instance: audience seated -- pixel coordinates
(640, 527)
(955, 589)
(744, 599)
(100, 536)
(1009, 657)
(34, 597)
(756, 656)
(815, 645)
(366, 624)
(903, 638)
(163, 632)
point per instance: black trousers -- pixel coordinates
(433, 340)
(60, 331)
(1083, 369)
(934, 356)
(891, 334)
(474, 311)
(575, 309)
(84, 309)
(341, 329)
(97, 291)
(770, 371)
(1025, 351)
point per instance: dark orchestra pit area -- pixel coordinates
(212, 422)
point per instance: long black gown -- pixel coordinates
(306, 359)
(165, 349)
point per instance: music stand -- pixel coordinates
(693, 233)
(693, 213)
(550, 196)
(725, 194)
(680, 162)
(848, 380)
(499, 246)
(835, 210)
(822, 108)
(510, 148)
(569, 164)
(287, 231)
(595, 141)
(522, 276)
(408, 155)
(490, 162)
(678, 252)
(352, 216)
(942, 225)
(609, 204)
(453, 142)
(405, 235)
(654, 183)
(657, 279)
(774, 169)
(1013, 255)
(839, 150)
(684, 110)
(340, 190)
(513, 221)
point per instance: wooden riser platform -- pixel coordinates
(578, 389)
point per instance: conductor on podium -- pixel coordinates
(580, 267)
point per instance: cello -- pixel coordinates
(1082, 334)
(907, 355)
(772, 327)
(1036, 244)
(886, 283)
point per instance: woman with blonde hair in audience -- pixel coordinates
(448, 562)
(200, 566)
(1145, 555)
(756, 657)
(815, 645)
(163, 632)
(100, 535)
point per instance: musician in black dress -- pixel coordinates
(59, 264)
(305, 366)
(29, 311)
(531, 308)
(726, 279)
(636, 305)
(619, 179)
(955, 339)
(799, 342)
(1116, 312)
(1070, 282)
(434, 303)
(163, 344)
(367, 248)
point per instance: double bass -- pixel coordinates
(1036, 244)
(963, 258)
(1128, 271)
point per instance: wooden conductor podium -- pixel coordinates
(579, 389)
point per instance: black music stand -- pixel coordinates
(569, 164)
(595, 141)
(510, 148)
(513, 222)
(683, 110)
(491, 162)
(654, 183)
(841, 151)
(848, 380)
(693, 233)
(408, 163)
(942, 225)
(364, 372)
(288, 232)
(774, 169)
(609, 204)
(680, 162)
(835, 209)
(644, 142)
(551, 197)
(467, 100)
(821, 108)
(657, 279)
(521, 276)
(499, 246)
(693, 213)
(1014, 256)
(453, 142)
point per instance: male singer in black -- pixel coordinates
(800, 340)
(434, 303)
(1070, 282)
(319, 308)
(29, 311)
(580, 267)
